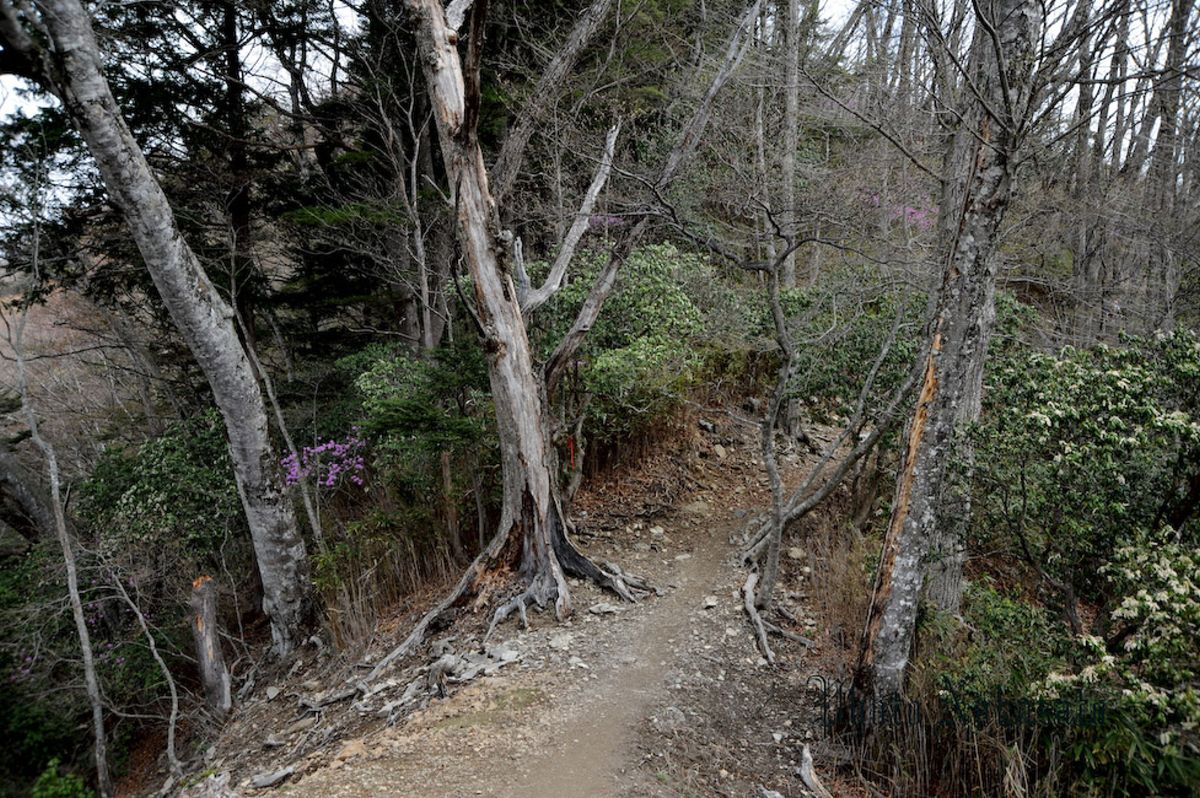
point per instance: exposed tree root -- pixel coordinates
(760, 628)
(609, 576)
(542, 590)
(547, 585)
(808, 775)
(779, 631)
(757, 545)
(417, 635)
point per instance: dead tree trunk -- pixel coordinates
(71, 67)
(533, 529)
(211, 662)
(1001, 65)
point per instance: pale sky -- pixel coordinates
(833, 11)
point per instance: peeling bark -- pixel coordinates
(533, 533)
(1001, 64)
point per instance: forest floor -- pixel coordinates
(667, 697)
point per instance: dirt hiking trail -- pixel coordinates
(667, 697)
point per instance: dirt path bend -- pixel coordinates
(662, 698)
(566, 721)
(594, 750)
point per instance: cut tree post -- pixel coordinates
(213, 672)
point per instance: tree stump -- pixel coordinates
(213, 673)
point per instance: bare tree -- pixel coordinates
(533, 526)
(63, 533)
(1000, 73)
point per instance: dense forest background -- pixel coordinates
(963, 235)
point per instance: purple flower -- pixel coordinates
(600, 222)
(326, 462)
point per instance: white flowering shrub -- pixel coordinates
(1078, 450)
(1149, 667)
(1078, 457)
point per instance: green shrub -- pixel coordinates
(1010, 646)
(1149, 669)
(1078, 451)
(53, 784)
(412, 405)
(1078, 456)
(174, 492)
(640, 358)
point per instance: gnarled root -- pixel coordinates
(546, 586)
(753, 551)
(760, 629)
(543, 589)
(608, 576)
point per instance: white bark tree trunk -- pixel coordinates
(529, 517)
(74, 72)
(533, 527)
(63, 533)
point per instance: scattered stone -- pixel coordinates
(720, 450)
(706, 425)
(669, 720)
(641, 545)
(264, 780)
(603, 608)
(710, 602)
(740, 513)
(777, 737)
(576, 662)
(795, 553)
(696, 508)
(627, 659)
(505, 652)
(273, 693)
(312, 685)
(682, 557)
(729, 630)
(657, 533)
(561, 641)
(272, 742)
(215, 786)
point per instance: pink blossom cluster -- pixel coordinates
(327, 462)
(922, 218)
(25, 670)
(917, 216)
